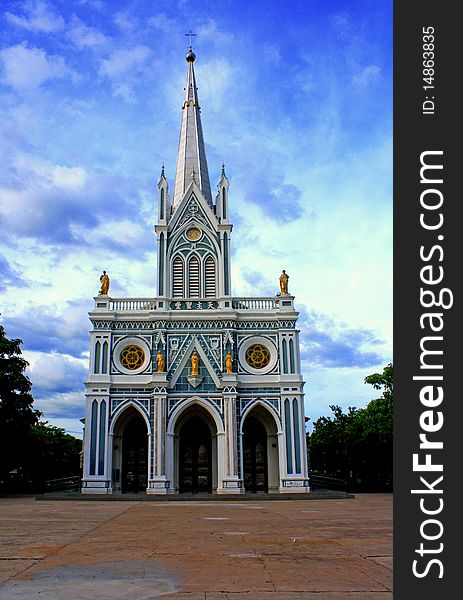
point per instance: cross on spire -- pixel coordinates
(191, 34)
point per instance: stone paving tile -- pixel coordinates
(338, 550)
(356, 595)
(11, 567)
(31, 529)
(385, 561)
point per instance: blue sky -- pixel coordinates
(296, 100)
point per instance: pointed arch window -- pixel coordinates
(224, 203)
(297, 438)
(93, 432)
(161, 265)
(225, 264)
(96, 364)
(102, 438)
(285, 356)
(104, 361)
(291, 356)
(177, 278)
(193, 277)
(210, 285)
(289, 440)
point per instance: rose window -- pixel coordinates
(257, 356)
(132, 357)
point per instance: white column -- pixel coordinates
(159, 481)
(231, 483)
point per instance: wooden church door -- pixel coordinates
(195, 449)
(134, 456)
(255, 456)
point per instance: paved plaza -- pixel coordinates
(320, 549)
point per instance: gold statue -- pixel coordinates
(104, 284)
(161, 364)
(229, 363)
(194, 364)
(284, 283)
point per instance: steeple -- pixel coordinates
(191, 159)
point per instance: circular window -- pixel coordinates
(132, 357)
(193, 234)
(257, 356)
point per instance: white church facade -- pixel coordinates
(194, 390)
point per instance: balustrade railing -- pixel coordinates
(255, 303)
(148, 304)
(132, 304)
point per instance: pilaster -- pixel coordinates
(158, 482)
(231, 482)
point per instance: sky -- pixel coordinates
(296, 100)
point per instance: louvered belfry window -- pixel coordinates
(193, 277)
(210, 286)
(177, 280)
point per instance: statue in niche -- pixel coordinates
(194, 364)
(229, 363)
(104, 279)
(284, 283)
(161, 363)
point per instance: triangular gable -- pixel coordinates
(193, 207)
(195, 345)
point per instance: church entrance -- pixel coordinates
(134, 464)
(195, 456)
(255, 456)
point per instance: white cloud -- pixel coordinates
(39, 16)
(50, 174)
(61, 405)
(122, 61)
(26, 68)
(369, 73)
(127, 233)
(215, 77)
(124, 22)
(163, 22)
(209, 30)
(123, 67)
(68, 177)
(83, 36)
(58, 372)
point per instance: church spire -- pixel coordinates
(191, 153)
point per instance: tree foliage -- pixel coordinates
(31, 451)
(357, 445)
(55, 454)
(17, 417)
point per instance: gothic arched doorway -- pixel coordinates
(130, 453)
(255, 465)
(260, 447)
(195, 456)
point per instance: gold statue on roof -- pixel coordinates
(284, 283)
(104, 279)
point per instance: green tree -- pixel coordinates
(16, 413)
(383, 381)
(55, 454)
(357, 445)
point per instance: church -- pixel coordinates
(194, 390)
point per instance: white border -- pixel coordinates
(268, 343)
(131, 341)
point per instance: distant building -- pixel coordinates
(194, 390)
